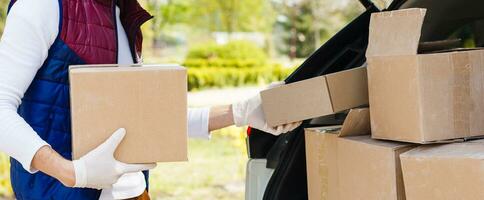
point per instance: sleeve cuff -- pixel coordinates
(80, 173)
(198, 123)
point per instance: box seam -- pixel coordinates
(330, 94)
(419, 100)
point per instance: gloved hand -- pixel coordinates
(99, 169)
(249, 112)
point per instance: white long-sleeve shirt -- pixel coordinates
(31, 28)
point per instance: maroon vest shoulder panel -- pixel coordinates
(89, 28)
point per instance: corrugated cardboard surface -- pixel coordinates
(315, 97)
(321, 163)
(357, 122)
(445, 172)
(348, 89)
(394, 102)
(149, 102)
(368, 168)
(321, 153)
(297, 101)
(421, 98)
(395, 33)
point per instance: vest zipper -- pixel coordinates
(115, 32)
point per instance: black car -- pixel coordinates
(459, 20)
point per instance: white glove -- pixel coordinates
(249, 112)
(99, 169)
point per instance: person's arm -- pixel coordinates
(30, 30)
(202, 121)
(50, 162)
(220, 117)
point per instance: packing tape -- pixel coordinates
(461, 67)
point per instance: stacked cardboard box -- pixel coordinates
(427, 98)
(343, 162)
(421, 98)
(321, 156)
(416, 99)
(445, 171)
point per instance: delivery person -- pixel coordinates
(41, 39)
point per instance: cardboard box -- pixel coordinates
(370, 169)
(343, 166)
(149, 101)
(315, 97)
(445, 172)
(321, 153)
(421, 98)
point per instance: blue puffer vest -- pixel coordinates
(87, 35)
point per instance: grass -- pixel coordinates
(216, 170)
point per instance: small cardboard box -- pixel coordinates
(315, 97)
(149, 101)
(421, 98)
(444, 172)
(321, 153)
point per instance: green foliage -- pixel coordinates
(232, 15)
(242, 50)
(5, 189)
(3, 14)
(307, 24)
(167, 13)
(234, 64)
(219, 77)
(223, 63)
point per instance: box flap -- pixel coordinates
(121, 68)
(395, 32)
(386, 144)
(473, 150)
(348, 89)
(356, 123)
(135, 66)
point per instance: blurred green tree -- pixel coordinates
(166, 13)
(212, 15)
(208, 16)
(233, 15)
(306, 24)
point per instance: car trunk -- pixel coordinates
(446, 19)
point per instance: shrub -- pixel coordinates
(237, 63)
(223, 63)
(235, 50)
(219, 77)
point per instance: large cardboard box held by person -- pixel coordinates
(149, 101)
(445, 172)
(344, 166)
(315, 97)
(421, 98)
